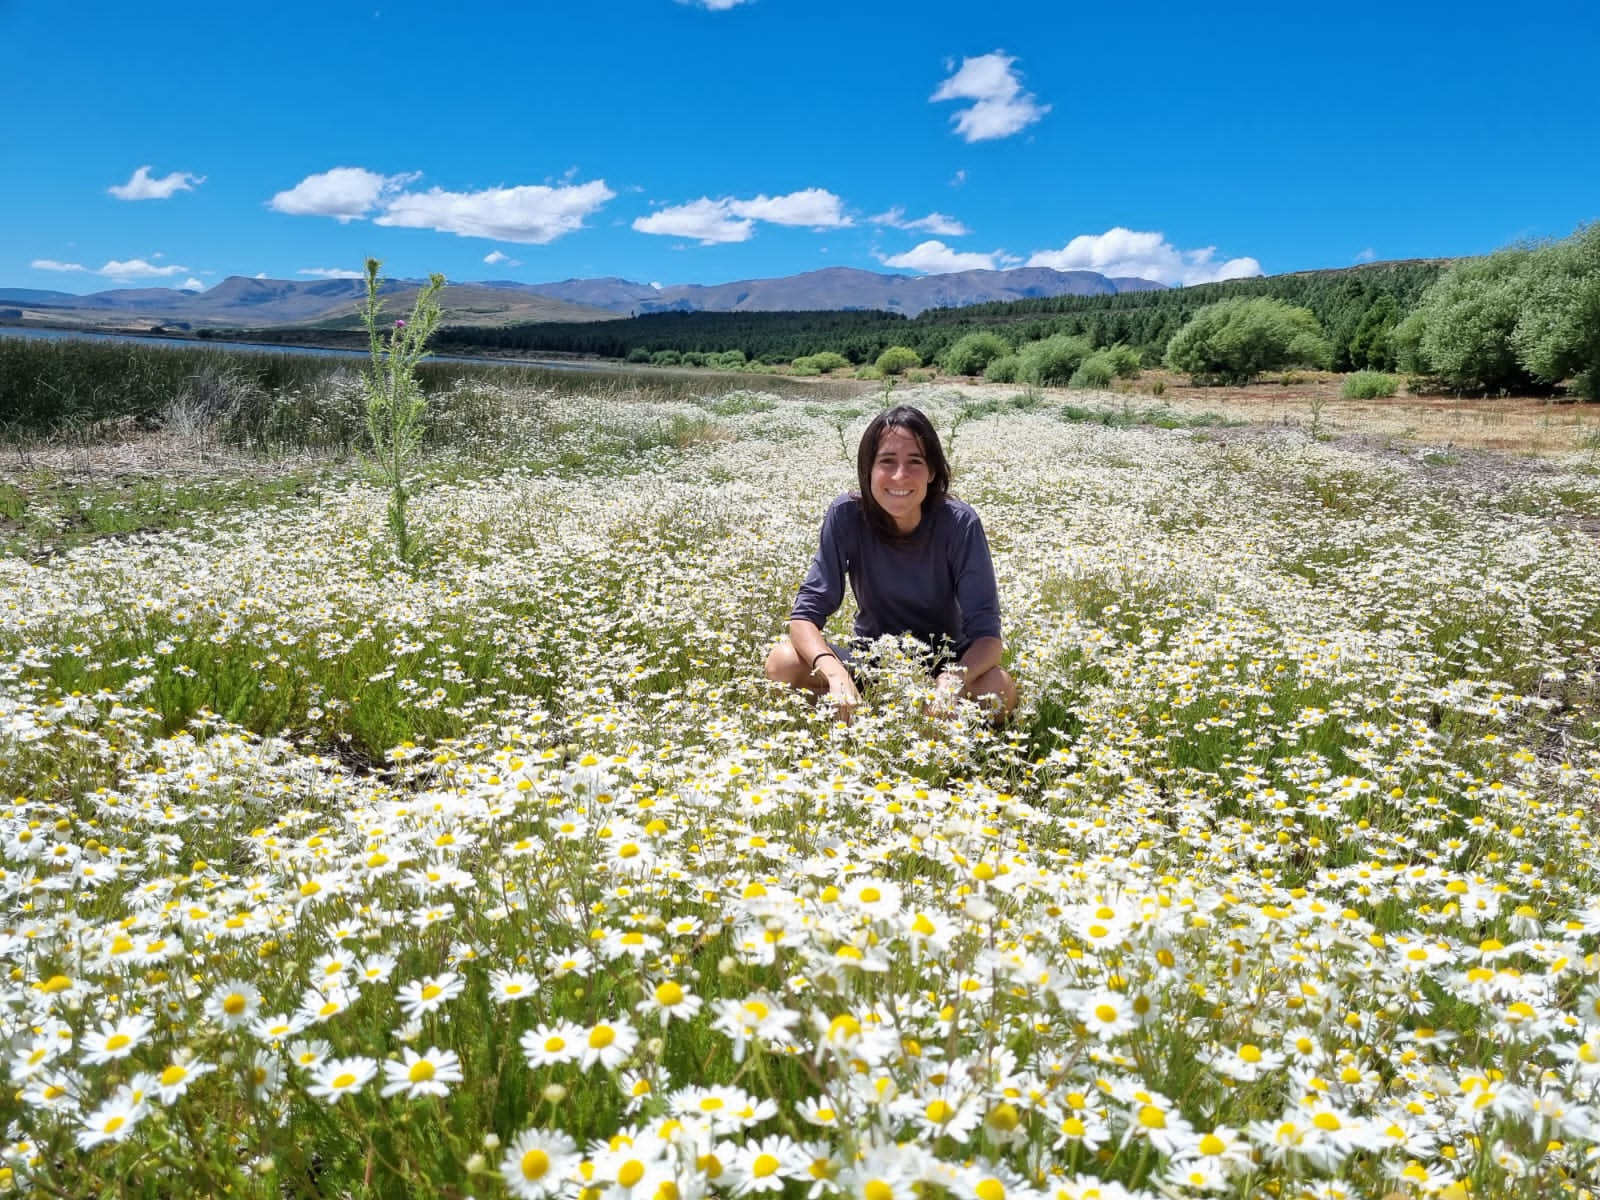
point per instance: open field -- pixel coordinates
(506, 874)
(1518, 425)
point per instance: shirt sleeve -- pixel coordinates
(822, 591)
(976, 590)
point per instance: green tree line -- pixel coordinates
(1357, 308)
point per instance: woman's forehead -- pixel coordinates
(899, 440)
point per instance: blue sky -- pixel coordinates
(170, 143)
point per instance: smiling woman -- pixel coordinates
(918, 563)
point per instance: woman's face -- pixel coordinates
(900, 477)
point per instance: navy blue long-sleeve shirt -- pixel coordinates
(937, 584)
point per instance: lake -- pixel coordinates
(80, 335)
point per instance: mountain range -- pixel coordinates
(240, 302)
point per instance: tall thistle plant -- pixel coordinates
(396, 407)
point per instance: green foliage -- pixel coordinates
(1096, 371)
(637, 355)
(1521, 320)
(1234, 341)
(1125, 361)
(665, 358)
(1372, 344)
(896, 359)
(1462, 332)
(1005, 369)
(395, 403)
(822, 362)
(1051, 361)
(1142, 321)
(1369, 385)
(972, 354)
(1557, 335)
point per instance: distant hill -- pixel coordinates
(239, 302)
(245, 303)
(841, 289)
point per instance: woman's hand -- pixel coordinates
(841, 687)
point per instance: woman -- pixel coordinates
(918, 562)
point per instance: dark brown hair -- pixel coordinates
(914, 422)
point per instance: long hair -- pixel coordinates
(914, 422)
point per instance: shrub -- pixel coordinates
(638, 355)
(1125, 361)
(896, 359)
(665, 358)
(730, 360)
(972, 354)
(1369, 385)
(1005, 369)
(1234, 341)
(1096, 371)
(1051, 361)
(823, 361)
(868, 371)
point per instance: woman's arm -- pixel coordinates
(824, 664)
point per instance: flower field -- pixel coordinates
(507, 874)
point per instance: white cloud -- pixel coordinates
(133, 268)
(816, 207)
(1143, 255)
(714, 5)
(958, 178)
(494, 258)
(344, 193)
(935, 223)
(142, 187)
(935, 258)
(138, 268)
(1000, 106)
(730, 219)
(708, 221)
(531, 215)
(327, 273)
(1366, 256)
(192, 284)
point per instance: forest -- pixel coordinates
(1356, 308)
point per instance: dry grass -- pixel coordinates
(1516, 425)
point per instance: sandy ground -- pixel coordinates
(1514, 425)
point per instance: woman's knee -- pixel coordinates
(783, 664)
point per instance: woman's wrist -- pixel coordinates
(819, 656)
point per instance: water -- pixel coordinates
(145, 339)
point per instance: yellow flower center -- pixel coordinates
(1327, 1122)
(174, 1074)
(870, 895)
(1106, 1013)
(118, 1041)
(764, 1166)
(1212, 1144)
(877, 1189)
(669, 993)
(990, 1189)
(421, 1071)
(1152, 1117)
(940, 1112)
(234, 1004)
(602, 1036)
(534, 1164)
(630, 1172)
(344, 1081)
